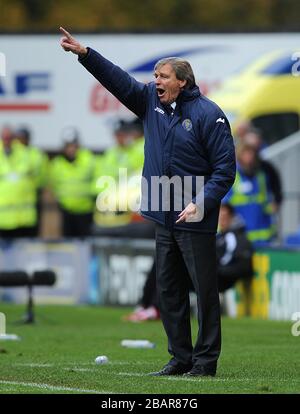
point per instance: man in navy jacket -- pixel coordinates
(189, 167)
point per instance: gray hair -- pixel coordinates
(182, 69)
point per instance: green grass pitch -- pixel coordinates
(56, 355)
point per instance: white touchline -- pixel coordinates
(34, 365)
(54, 387)
(135, 374)
(78, 365)
(80, 369)
(213, 379)
(130, 363)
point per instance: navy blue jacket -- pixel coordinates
(194, 141)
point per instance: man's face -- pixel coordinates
(7, 136)
(248, 160)
(168, 86)
(122, 138)
(70, 150)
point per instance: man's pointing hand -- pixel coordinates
(69, 44)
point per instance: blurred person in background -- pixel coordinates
(254, 138)
(241, 129)
(40, 164)
(118, 156)
(147, 309)
(252, 197)
(137, 145)
(234, 250)
(127, 153)
(137, 130)
(71, 175)
(18, 188)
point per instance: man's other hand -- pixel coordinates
(187, 214)
(69, 44)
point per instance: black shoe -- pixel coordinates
(172, 369)
(200, 371)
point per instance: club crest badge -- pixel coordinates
(187, 124)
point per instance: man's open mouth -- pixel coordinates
(160, 92)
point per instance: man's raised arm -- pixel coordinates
(131, 93)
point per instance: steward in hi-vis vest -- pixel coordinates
(18, 215)
(70, 179)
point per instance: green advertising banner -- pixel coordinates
(274, 292)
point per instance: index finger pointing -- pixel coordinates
(67, 34)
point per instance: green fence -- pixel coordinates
(274, 292)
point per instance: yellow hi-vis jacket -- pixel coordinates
(40, 165)
(71, 182)
(17, 188)
(115, 199)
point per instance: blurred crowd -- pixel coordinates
(72, 177)
(257, 191)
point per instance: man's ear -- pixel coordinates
(182, 83)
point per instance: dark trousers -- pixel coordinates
(149, 297)
(76, 225)
(225, 284)
(177, 251)
(19, 233)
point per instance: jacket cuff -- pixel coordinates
(82, 59)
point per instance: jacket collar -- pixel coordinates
(189, 94)
(184, 96)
